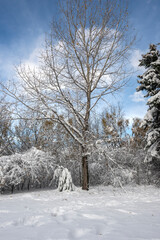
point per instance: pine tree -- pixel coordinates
(150, 82)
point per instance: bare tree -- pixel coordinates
(82, 63)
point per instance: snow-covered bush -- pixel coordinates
(116, 166)
(108, 165)
(31, 169)
(63, 178)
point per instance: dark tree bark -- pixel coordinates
(85, 172)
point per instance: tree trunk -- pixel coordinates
(28, 185)
(85, 174)
(138, 175)
(12, 188)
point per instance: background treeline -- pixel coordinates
(31, 149)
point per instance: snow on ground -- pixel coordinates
(102, 213)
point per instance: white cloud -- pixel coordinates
(32, 59)
(136, 56)
(137, 97)
(7, 61)
(137, 111)
(12, 55)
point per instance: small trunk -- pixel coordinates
(85, 174)
(12, 188)
(28, 185)
(22, 186)
(80, 176)
(138, 175)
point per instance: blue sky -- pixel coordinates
(23, 24)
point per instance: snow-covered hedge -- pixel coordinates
(107, 165)
(116, 166)
(32, 169)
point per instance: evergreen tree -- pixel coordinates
(150, 82)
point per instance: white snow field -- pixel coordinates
(101, 213)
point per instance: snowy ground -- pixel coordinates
(102, 213)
